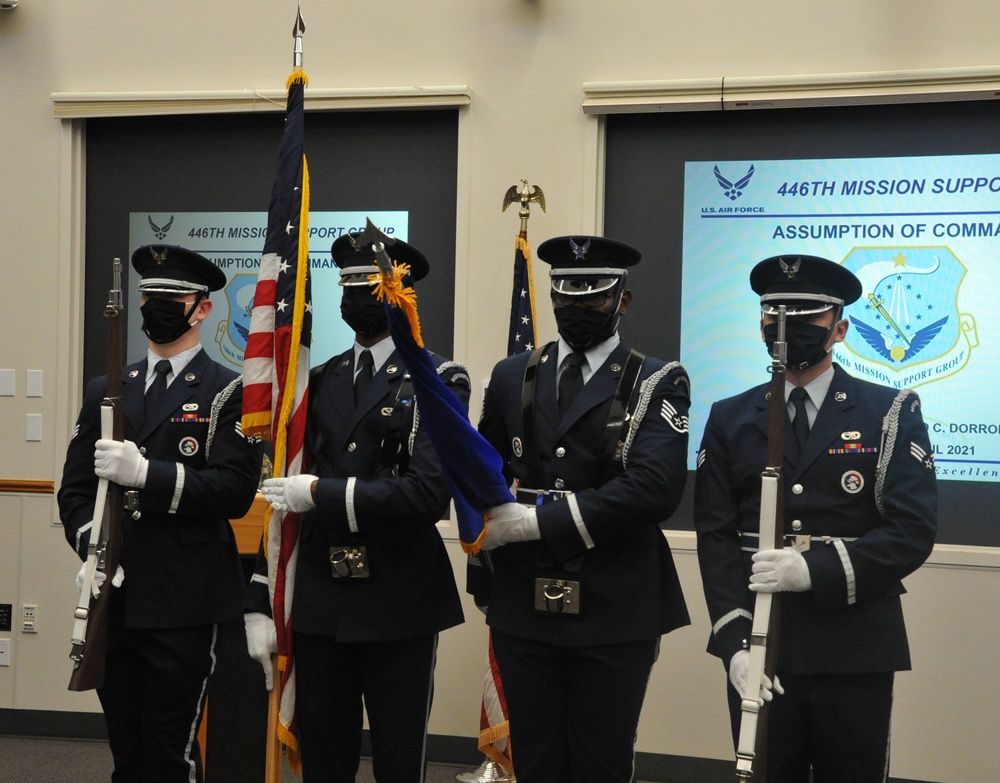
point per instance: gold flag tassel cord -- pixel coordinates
(390, 289)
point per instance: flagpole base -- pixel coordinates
(488, 772)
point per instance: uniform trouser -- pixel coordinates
(834, 725)
(573, 711)
(395, 681)
(153, 697)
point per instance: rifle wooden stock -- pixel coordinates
(751, 749)
(89, 652)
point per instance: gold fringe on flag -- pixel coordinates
(475, 546)
(298, 76)
(286, 736)
(390, 289)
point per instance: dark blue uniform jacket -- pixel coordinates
(181, 564)
(365, 499)
(863, 490)
(608, 529)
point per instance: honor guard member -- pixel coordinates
(594, 435)
(860, 505)
(374, 584)
(187, 470)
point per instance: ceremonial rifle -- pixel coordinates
(751, 750)
(90, 631)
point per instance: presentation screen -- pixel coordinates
(905, 195)
(205, 181)
(234, 241)
(921, 233)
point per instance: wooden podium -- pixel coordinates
(233, 733)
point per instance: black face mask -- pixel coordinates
(363, 312)
(806, 342)
(583, 327)
(164, 320)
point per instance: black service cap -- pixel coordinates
(586, 264)
(803, 283)
(356, 262)
(171, 269)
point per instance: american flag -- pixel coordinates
(522, 335)
(276, 375)
(494, 727)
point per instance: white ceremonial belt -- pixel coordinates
(751, 541)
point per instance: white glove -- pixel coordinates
(99, 578)
(739, 667)
(290, 494)
(262, 641)
(95, 587)
(780, 571)
(510, 522)
(120, 462)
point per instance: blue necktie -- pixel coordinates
(364, 376)
(800, 424)
(158, 386)
(571, 380)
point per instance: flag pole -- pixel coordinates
(273, 748)
(494, 728)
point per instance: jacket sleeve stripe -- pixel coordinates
(845, 560)
(729, 617)
(352, 517)
(581, 527)
(175, 501)
(79, 536)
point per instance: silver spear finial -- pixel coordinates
(297, 32)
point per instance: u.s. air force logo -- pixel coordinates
(730, 188)
(232, 332)
(908, 318)
(160, 232)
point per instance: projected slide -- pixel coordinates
(923, 236)
(234, 241)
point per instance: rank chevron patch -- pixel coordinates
(673, 418)
(922, 456)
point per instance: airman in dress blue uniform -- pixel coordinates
(861, 513)
(191, 470)
(374, 585)
(583, 583)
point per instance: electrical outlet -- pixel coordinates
(4, 652)
(29, 618)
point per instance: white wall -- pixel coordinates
(525, 62)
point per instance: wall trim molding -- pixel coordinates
(727, 93)
(27, 486)
(76, 105)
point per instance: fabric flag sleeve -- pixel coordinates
(472, 467)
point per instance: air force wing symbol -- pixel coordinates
(898, 347)
(160, 231)
(733, 190)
